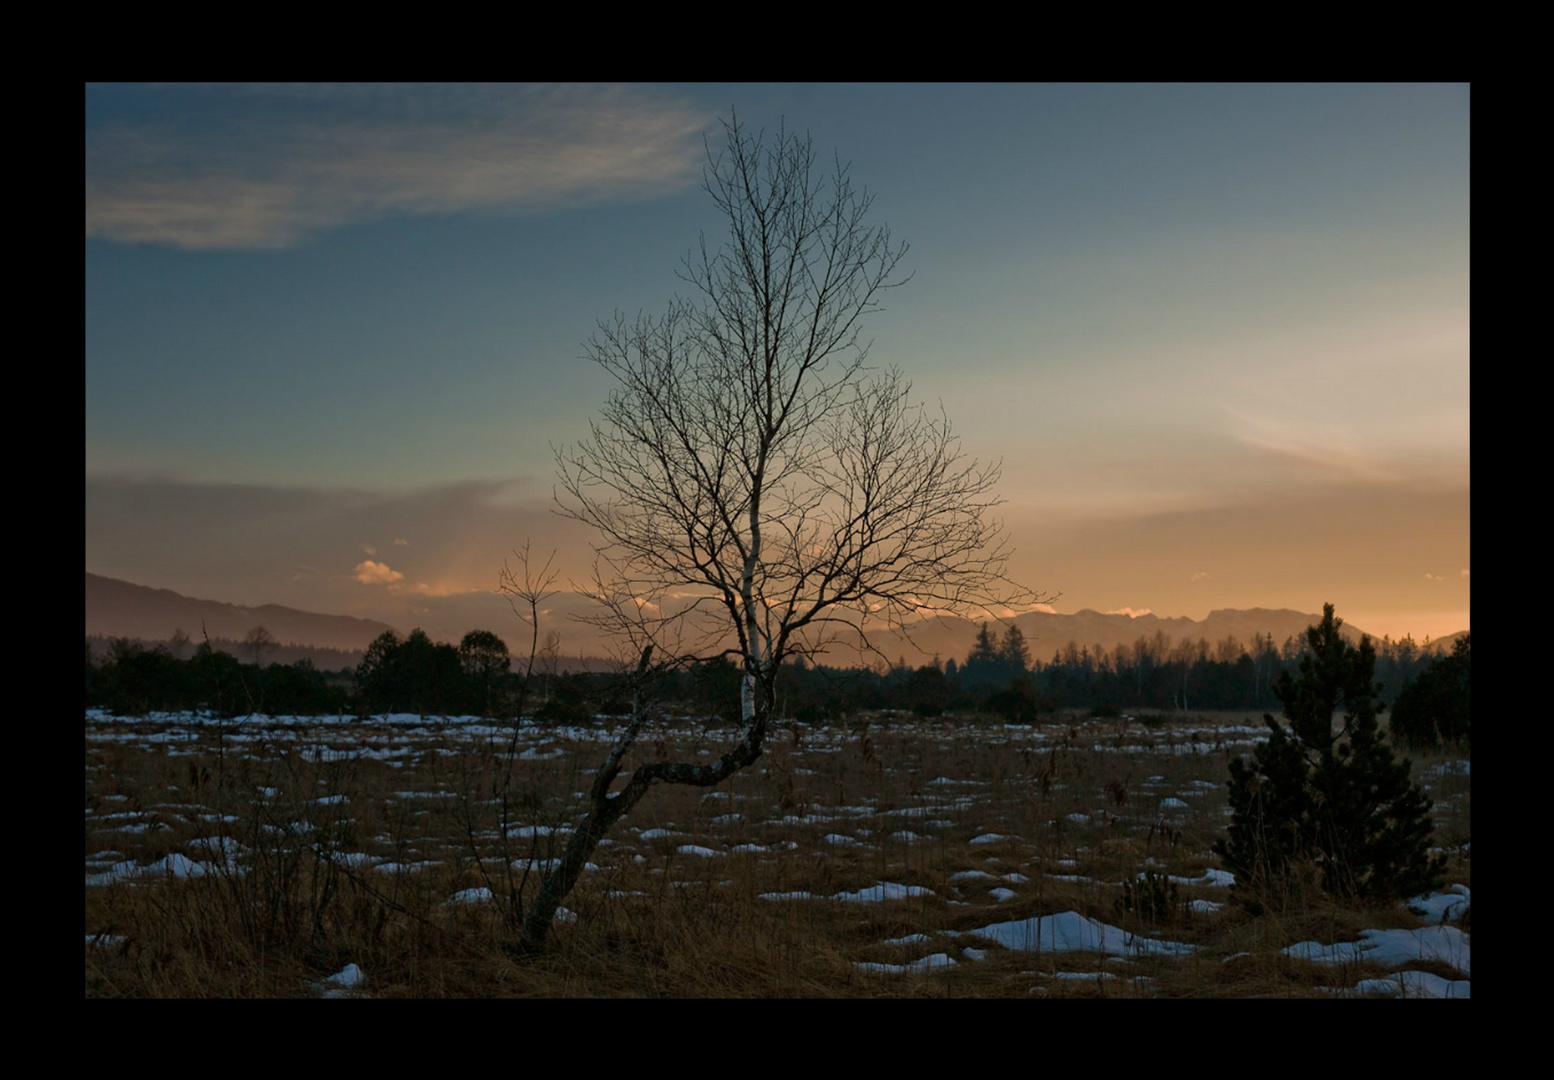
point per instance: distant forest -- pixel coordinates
(998, 677)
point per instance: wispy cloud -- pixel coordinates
(290, 162)
(1132, 613)
(1327, 449)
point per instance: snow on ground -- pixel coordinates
(407, 736)
(697, 849)
(973, 875)
(1073, 932)
(928, 963)
(885, 890)
(1408, 984)
(1211, 876)
(174, 865)
(1444, 943)
(347, 982)
(1443, 907)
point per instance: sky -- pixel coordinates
(1217, 334)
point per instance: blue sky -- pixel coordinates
(1218, 334)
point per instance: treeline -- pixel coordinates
(134, 680)
(999, 677)
(1160, 673)
(257, 648)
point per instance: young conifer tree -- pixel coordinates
(1337, 800)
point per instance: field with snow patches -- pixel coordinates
(881, 856)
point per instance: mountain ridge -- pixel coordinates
(116, 608)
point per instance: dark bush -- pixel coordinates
(1337, 803)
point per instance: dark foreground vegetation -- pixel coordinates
(257, 858)
(238, 854)
(999, 677)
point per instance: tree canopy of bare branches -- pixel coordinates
(759, 490)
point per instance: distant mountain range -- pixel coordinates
(120, 609)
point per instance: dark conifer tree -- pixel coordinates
(1337, 802)
(982, 663)
(1014, 653)
(1436, 707)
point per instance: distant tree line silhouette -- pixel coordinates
(998, 677)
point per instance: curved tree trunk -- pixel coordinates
(604, 809)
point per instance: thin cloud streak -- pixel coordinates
(332, 159)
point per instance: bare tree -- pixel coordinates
(259, 642)
(759, 491)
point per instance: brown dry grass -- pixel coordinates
(1076, 802)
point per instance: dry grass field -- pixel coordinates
(259, 857)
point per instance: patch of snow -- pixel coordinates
(885, 890)
(353, 859)
(531, 831)
(344, 983)
(696, 849)
(1219, 878)
(1084, 976)
(973, 875)
(1408, 984)
(1444, 943)
(1073, 932)
(1443, 907)
(935, 962)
